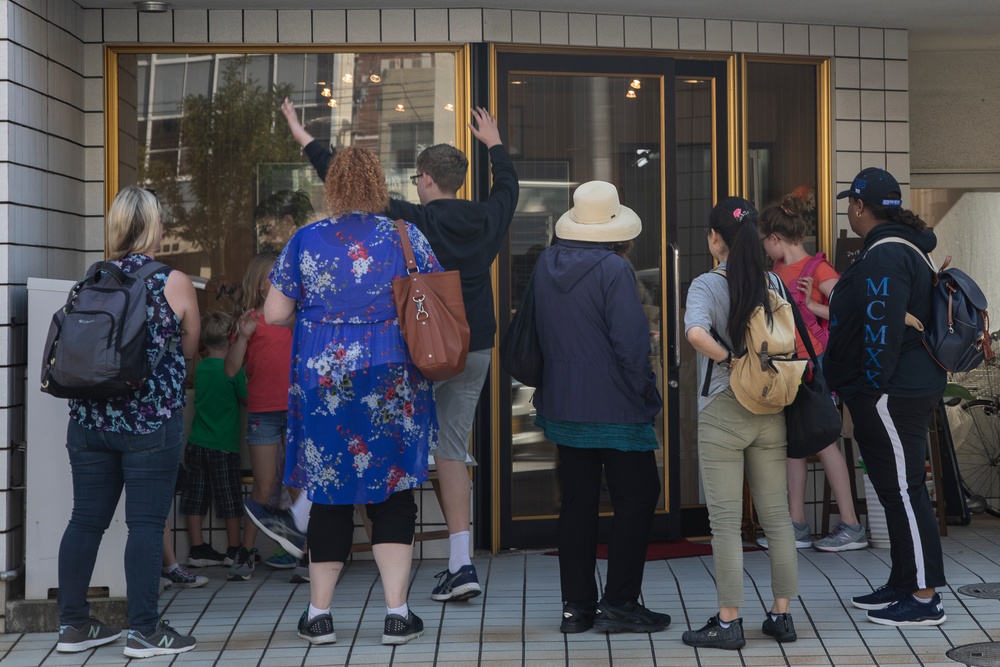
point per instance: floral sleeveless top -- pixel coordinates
(146, 410)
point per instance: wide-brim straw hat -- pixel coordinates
(598, 216)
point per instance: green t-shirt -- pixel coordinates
(216, 423)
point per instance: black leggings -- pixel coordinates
(331, 527)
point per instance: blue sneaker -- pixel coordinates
(909, 611)
(880, 598)
(281, 560)
(461, 585)
(278, 525)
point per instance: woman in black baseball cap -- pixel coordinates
(890, 384)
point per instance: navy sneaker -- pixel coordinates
(460, 585)
(909, 611)
(278, 525)
(93, 633)
(880, 598)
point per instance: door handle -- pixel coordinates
(676, 252)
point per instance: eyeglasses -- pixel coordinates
(413, 179)
(153, 192)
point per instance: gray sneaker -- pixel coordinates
(842, 538)
(163, 640)
(242, 565)
(803, 537)
(83, 636)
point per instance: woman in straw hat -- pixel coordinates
(597, 402)
(732, 440)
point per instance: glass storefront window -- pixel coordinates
(782, 138)
(211, 139)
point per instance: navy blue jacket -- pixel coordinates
(594, 337)
(871, 349)
(464, 235)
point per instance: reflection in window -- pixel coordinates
(782, 137)
(232, 180)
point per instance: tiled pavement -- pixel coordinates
(515, 621)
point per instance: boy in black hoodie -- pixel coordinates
(465, 236)
(890, 383)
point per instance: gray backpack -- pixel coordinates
(96, 346)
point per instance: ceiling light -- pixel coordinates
(375, 78)
(516, 83)
(630, 94)
(347, 78)
(449, 107)
(152, 6)
(636, 84)
(692, 81)
(400, 107)
(332, 103)
(326, 92)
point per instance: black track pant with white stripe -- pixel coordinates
(891, 433)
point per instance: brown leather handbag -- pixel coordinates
(431, 316)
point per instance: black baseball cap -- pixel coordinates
(875, 187)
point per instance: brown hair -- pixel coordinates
(784, 219)
(250, 295)
(215, 329)
(446, 165)
(355, 182)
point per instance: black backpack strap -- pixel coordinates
(145, 272)
(718, 339)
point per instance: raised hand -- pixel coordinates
(484, 127)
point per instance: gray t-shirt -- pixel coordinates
(708, 307)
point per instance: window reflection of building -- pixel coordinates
(395, 104)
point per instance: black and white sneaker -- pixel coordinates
(713, 635)
(93, 633)
(164, 640)
(399, 630)
(880, 598)
(909, 611)
(317, 631)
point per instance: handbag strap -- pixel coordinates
(404, 237)
(800, 325)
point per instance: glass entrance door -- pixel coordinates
(567, 120)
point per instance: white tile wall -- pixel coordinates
(796, 39)
(691, 34)
(432, 25)
(260, 26)
(497, 25)
(397, 25)
(554, 28)
(638, 32)
(525, 26)
(364, 26)
(770, 38)
(329, 26)
(225, 26)
(583, 30)
(718, 35)
(665, 33)
(295, 26)
(610, 30)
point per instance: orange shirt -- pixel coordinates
(789, 274)
(268, 362)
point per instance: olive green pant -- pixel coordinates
(731, 440)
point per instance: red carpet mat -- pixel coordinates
(666, 549)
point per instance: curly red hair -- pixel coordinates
(355, 182)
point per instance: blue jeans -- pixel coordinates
(103, 463)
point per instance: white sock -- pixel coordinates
(314, 612)
(459, 554)
(300, 512)
(403, 611)
(923, 601)
(170, 568)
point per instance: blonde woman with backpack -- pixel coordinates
(810, 280)
(732, 439)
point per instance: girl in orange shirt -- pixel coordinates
(810, 280)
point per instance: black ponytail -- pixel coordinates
(735, 219)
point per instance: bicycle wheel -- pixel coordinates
(978, 457)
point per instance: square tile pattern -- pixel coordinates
(516, 620)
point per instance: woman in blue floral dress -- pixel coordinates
(361, 417)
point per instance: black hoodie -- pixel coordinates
(464, 235)
(871, 349)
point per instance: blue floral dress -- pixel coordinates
(361, 417)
